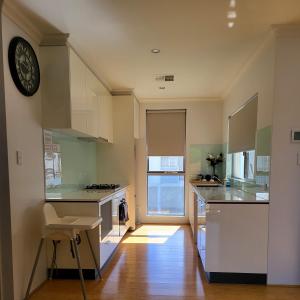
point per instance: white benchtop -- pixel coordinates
(222, 194)
(82, 195)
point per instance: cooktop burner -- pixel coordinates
(102, 186)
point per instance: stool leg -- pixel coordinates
(34, 268)
(93, 254)
(79, 269)
(53, 259)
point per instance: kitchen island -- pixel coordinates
(104, 238)
(231, 233)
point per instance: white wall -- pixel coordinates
(284, 218)
(274, 74)
(203, 126)
(256, 77)
(24, 133)
(6, 266)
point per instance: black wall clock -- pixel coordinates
(24, 66)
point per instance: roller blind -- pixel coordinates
(242, 128)
(165, 130)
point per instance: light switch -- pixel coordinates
(19, 158)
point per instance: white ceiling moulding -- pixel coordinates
(16, 15)
(60, 39)
(180, 99)
(125, 92)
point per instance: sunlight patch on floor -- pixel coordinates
(156, 230)
(145, 240)
(151, 234)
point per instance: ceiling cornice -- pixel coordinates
(180, 99)
(60, 39)
(16, 15)
(124, 92)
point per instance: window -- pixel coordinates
(165, 131)
(165, 192)
(165, 195)
(243, 165)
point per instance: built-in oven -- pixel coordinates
(119, 225)
(110, 212)
(107, 219)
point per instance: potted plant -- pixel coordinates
(214, 160)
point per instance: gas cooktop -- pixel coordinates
(102, 186)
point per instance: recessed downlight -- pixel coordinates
(232, 3)
(231, 14)
(230, 24)
(155, 50)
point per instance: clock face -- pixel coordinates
(24, 66)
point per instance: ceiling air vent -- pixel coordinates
(165, 78)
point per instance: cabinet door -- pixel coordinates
(201, 230)
(192, 211)
(105, 128)
(79, 106)
(77, 82)
(80, 121)
(236, 238)
(92, 100)
(92, 112)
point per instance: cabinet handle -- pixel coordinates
(213, 212)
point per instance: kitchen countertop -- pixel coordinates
(82, 195)
(222, 194)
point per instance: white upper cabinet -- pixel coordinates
(74, 99)
(106, 121)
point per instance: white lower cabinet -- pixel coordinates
(192, 211)
(233, 241)
(236, 238)
(201, 229)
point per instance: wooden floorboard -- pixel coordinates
(159, 263)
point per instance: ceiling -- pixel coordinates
(114, 37)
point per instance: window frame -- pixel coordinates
(166, 172)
